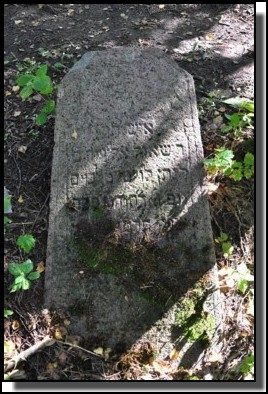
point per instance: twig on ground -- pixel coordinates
(37, 216)
(80, 348)
(47, 341)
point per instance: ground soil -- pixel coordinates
(215, 43)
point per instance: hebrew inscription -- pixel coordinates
(129, 218)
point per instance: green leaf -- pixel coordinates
(234, 101)
(6, 220)
(48, 107)
(237, 165)
(42, 71)
(25, 284)
(226, 129)
(225, 154)
(235, 120)
(227, 249)
(7, 313)
(23, 80)
(248, 364)
(26, 242)
(248, 105)
(228, 171)
(242, 285)
(7, 205)
(223, 237)
(14, 269)
(209, 162)
(19, 279)
(33, 275)
(15, 287)
(59, 65)
(26, 92)
(43, 84)
(236, 175)
(27, 266)
(249, 159)
(248, 172)
(41, 119)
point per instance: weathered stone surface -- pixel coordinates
(129, 228)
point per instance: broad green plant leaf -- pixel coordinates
(23, 80)
(27, 266)
(241, 103)
(43, 84)
(227, 249)
(25, 284)
(48, 107)
(14, 269)
(7, 313)
(42, 71)
(26, 242)
(41, 119)
(33, 275)
(26, 92)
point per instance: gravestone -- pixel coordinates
(129, 228)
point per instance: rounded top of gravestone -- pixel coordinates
(130, 56)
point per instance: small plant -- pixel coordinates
(21, 271)
(23, 274)
(226, 246)
(40, 83)
(7, 313)
(242, 277)
(223, 163)
(247, 367)
(242, 118)
(26, 242)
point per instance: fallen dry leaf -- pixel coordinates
(17, 113)
(15, 324)
(20, 200)
(9, 347)
(35, 23)
(40, 267)
(212, 187)
(161, 6)
(98, 350)
(22, 149)
(174, 354)
(60, 332)
(66, 322)
(107, 353)
(209, 37)
(161, 366)
(18, 22)
(7, 93)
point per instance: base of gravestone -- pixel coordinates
(130, 240)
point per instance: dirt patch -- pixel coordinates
(212, 42)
